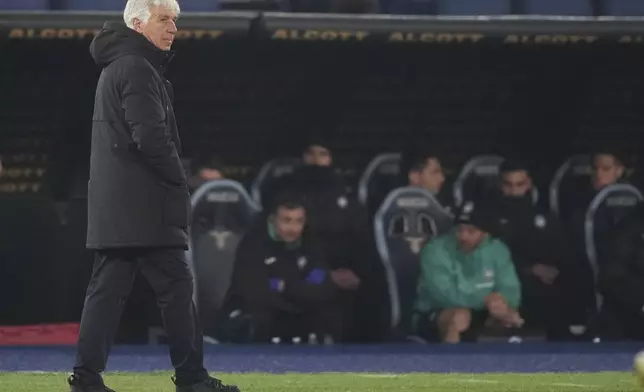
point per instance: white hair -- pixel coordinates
(140, 9)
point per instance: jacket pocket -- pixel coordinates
(176, 207)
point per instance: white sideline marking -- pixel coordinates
(473, 380)
(567, 384)
(381, 375)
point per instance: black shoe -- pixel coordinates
(77, 386)
(208, 385)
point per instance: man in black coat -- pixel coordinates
(621, 281)
(539, 250)
(138, 200)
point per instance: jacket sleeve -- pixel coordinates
(146, 116)
(561, 254)
(437, 278)
(507, 281)
(315, 288)
(251, 281)
(615, 278)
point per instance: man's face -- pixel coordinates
(210, 174)
(516, 184)
(318, 156)
(606, 170)
(430, 178)
(160, 28)
(289, 223)
(469, 237)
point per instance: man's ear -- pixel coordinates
(413, 177)
(138, 26)
(620, 171)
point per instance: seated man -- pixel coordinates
(205, 168)
(621, 282)
(424, 170)
(281, 279)
(337, 223)
(608, 167)
(538, 250)
(466, 276)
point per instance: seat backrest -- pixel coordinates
(474, 7)
(558, 7)
(612, 204)
(624, 7)
(27, 5)
(479, 180)
(381, 176)
(569, 180)
(271, 171)
(407, 219)
(222, 212)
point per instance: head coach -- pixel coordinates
(138, 200)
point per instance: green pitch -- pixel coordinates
(346, 382)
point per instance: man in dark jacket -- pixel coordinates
(335, 219)
(538, 248)
(138, 200)
(282, 281)
(621, 282)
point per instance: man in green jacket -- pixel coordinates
(466, 277)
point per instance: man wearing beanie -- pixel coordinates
(466, 277)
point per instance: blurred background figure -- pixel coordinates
(206, 167)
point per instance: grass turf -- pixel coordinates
(347, 382)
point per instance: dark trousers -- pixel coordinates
(113, 276)
(617, 323)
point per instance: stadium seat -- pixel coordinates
(569, 180)
(222, 212)
(31, 5)
(558, 7)
(474, 7)
(408, 218)
(624, 7)
(608, 208)
(269, 172)
(479, 179)
(381, 176)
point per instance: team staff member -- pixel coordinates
(621, 282)
(138, 200)
(282, 281)
(539, 250)
(466, 277)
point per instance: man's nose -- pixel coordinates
(172, 29)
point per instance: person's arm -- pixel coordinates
(616, 279)
(251, 280)
(146, 117)
(315, 288)
(507, 281)
(438, 278)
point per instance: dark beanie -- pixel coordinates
(479, 215)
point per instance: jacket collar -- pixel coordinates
(141, 45)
